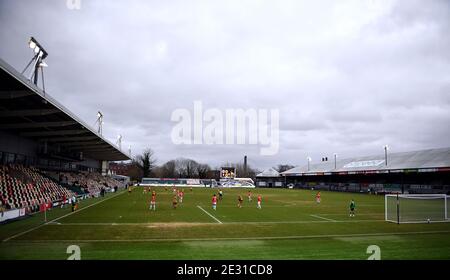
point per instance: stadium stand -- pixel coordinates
(415, 172)
(28, 187)
(88, 182)
(36, 130)
(269, 178)
(25, 187)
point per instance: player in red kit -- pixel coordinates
(180, 196)
(214, 202)
(174, 202)
(318, 197)
(153, 201)
(259, 202)
(240, 201)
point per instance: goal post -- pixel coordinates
(416, 208)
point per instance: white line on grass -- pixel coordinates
(217, 220)
(226, 223)
(238, 238)
(359, 214)
(326, 219)
(52, 222)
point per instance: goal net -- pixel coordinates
(416, 208)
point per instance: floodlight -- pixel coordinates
(100, 122)
(32, 44)
(36, 61)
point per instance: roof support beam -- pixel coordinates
(68, 139)
(108, 157)
(28, 113)
(11, 94)
(99, 150)
(36, 125)
(89, 148)
(81, 143)
(54, 133)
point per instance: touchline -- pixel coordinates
(229, 126)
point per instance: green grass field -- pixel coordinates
(290, 225)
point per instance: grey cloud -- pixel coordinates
(347, 77)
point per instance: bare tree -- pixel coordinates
(182, 168)
(146, 161)
(202, 170)
(186, 168)
(168, 169)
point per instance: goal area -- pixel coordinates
(416, 208)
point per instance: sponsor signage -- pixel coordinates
(428, 170)
(12, 214)
(365, 163)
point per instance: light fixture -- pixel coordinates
(36, 61)
(100, 122)
(119, 141)
(309, 160)
(32, 44)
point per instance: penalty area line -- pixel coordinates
(323, 218)
(217, 220)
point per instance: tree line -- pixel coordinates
(144, 165)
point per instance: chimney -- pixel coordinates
(245, 164)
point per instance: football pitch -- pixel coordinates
(290, 225)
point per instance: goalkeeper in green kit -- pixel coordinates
(352, 208)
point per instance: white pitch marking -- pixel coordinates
(217, 220)
(240, 238)
(54, 220)
(323, 218)
(227, 223)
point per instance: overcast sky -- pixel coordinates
(346, 76)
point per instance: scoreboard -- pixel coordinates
(228, 173)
